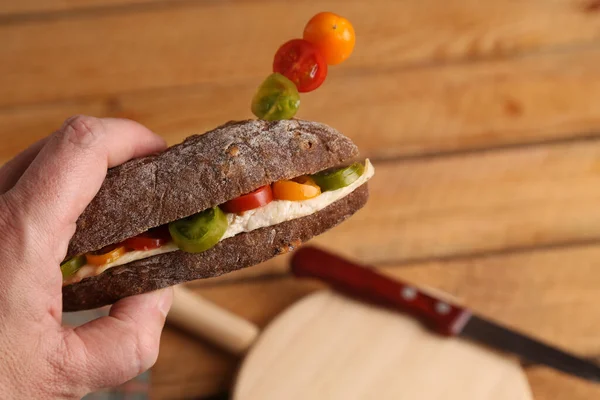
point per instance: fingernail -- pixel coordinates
(165, 300)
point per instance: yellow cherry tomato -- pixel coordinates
(302, 188)
(332, 35)
(106, 255)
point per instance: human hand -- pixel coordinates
(42, 193)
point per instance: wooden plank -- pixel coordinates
(427, 110)
(550, 294)
(21, 7)
(477, 203)
(116, 51)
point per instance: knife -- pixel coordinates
(441, 316)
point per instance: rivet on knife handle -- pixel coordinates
(366, 284)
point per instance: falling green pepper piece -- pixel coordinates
(199, 232)
(72, 265)
(276, 99)
(338, 178)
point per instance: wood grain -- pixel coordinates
(36, 7)
(117, 51)
(550, 294)
(476, 203)
(426, 110)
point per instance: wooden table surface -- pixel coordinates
(482, 119)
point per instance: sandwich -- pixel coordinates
(224, 200)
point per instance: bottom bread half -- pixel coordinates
(240, 251)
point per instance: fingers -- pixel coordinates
(70, 168)
(124, 344)
(13, 169)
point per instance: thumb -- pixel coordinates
(122, 345)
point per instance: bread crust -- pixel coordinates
(204, 171)
(237, 252)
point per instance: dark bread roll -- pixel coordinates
(243, 250)
(202, 172)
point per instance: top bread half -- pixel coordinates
(202, 172)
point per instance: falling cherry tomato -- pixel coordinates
(301, 62)
(332, 35)
(277, 98)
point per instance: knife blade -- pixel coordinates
(441, 316)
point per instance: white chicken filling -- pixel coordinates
(274, 213)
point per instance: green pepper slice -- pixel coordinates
(199, 232)
(72, 265)
(338, 178)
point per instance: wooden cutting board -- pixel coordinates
(331, 347)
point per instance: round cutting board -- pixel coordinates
(331, 347)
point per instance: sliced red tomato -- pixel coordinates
(260, 197)
(302, 63)
(106, 255)
(152, 239)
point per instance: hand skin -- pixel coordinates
(42, 193)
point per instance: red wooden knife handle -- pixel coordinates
(362, 282)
